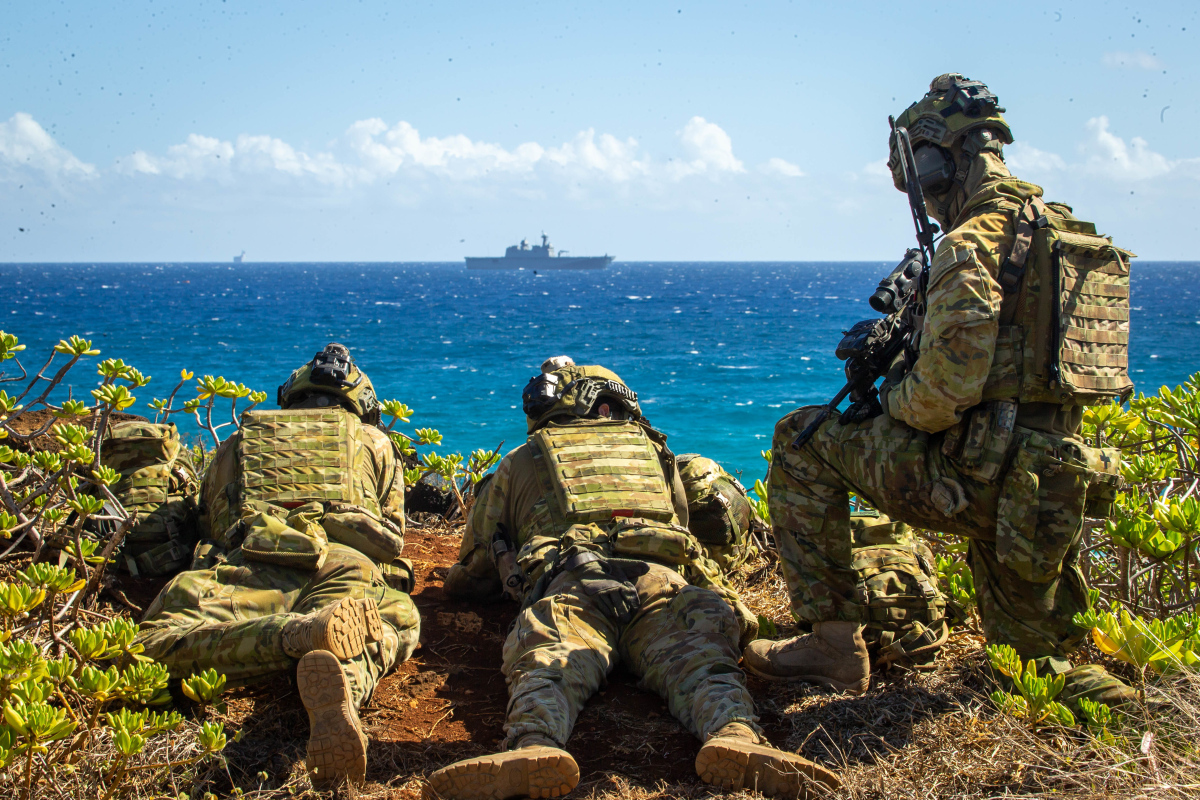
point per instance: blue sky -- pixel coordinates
(414, 131)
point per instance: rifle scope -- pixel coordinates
(894, 290)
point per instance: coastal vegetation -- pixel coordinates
(85, 713)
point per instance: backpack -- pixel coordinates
(718, 512)
(159, 482)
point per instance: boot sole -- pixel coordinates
(345, 631)
(371, 620)
(736, 765)
(527, 772)
(337, 747)
(854, 688)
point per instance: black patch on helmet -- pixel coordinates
(540, 394)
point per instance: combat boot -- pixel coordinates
(538, 767)
(833, 655)
(734, 760)
(337, 746)
(342, 628)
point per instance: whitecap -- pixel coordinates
(731, 366)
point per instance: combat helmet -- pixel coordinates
(564, 388)
(955, 120)
(332, 373)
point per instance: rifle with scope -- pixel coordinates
(870, 346)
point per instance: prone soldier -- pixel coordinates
(585, 523)
(303, 510)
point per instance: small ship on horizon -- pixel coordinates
(543, 256)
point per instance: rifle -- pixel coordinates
(870, 346)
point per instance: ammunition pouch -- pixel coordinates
(981, 443)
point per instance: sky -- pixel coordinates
(384, 131)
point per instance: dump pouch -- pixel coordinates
(664, 543)
(298, 542)
(399, 575)
(375, 537)
(1040, 512)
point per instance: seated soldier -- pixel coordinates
(304, 510)
(586, 522)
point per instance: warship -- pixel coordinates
(543, 256)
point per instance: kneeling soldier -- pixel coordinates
(585, 523)
(270, 591)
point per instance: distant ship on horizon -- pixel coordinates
(238, 259)
(543, 256)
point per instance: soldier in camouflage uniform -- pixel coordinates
(585, 523)
(1027, 322)
(304, 512)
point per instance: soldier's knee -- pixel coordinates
(703, 611)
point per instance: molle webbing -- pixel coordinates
(292, 457)
(596, 472)
(1093, 330)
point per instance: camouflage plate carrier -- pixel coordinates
(719, 514)
(608, 503)
(297, 459)
(158, 482)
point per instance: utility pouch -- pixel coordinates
(271, 540)
(981, 442)
(656, 541)
(399, 575)
(1040, 512)
(373, 536)
(1105, 464)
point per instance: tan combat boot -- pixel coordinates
(343, 628)
(537, 768)
(834, 655)
(337, 746)
(734, 760)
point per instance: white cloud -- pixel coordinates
(777, 166)
(1025, 158)
(710, 150)
(1105, 155)
(371, 150)
(24, 144)
(204, 157)
(1138, 59)
(1108, 155)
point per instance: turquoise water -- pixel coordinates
(717, 352)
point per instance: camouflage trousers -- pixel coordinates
(231, 617)
(895, 468)
(682, 642)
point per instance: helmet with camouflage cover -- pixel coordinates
(564, 388)
(331, 377)
(955, 120)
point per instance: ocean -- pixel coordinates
(717, 352)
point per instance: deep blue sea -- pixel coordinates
(716, 351)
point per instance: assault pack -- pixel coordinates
(718, 511)
(158, 481)
(907, 617)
